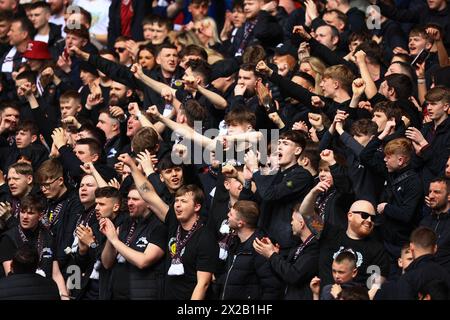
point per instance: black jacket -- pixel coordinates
(440, 223)
(433, 158)
(421, 271)
(279, 193)
(28, 287)
(392, 36)
(249, 276)
(297, 272)
(421, 15)
(267, 32)
(403, 194)
(141, 8)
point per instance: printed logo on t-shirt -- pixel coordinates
(47, 253)
(142, 242)
(173, 247)
(357, 254)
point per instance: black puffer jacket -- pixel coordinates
(249, 276)
(28, 287)
(440, 223)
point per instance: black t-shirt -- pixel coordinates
(200, 254)
(146, 231)
(369, 252)
(39, 239)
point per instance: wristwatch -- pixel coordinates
(93, 245)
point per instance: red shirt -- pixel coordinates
(126, 15)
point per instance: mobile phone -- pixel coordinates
(421, 57)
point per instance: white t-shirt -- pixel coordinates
(43, 38)
(99, 10)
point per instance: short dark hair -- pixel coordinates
(390, 109)
(97, 133)
(373, 51)
(30, 76)
(364, 127)
(346, 256)
(443, 180)
(25, 260)
(194, 50)
(295, 136)
(28, 125)
(167, 163)
(423, 237)
(193, 111)
(33, 202)
(162, 21)
(22, 168)
(340, 15)
(401, 84)
(25, 25)
(247, 211)
(306, 76)
(94, 145)
(240, 115)
(353, 293)
(40, 4)
(201, 67)
(108, 192)
(146, 138)
(164, 45)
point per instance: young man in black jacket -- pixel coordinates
(248, 275)
(280, 191)
(260, 26)
(302, 263)
(23, 283)
(400, 206)
(432, 143)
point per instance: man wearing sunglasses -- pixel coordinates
(358, 237)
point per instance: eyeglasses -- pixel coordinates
(120, 50)
(46, 185)
(364, 215)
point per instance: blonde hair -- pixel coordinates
(319, 68)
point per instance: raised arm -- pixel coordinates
(145, 188)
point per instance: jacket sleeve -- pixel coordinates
(301, 271)
(328, 56)
(341, 179)
(292, 184)
(115, 71)
(368, 157)
(267, 29)
(401, 15)
(270, 284)
(290, 89)
(351, 143)
(406, 209)
(70, 162)
(45, 127)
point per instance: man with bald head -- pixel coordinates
(358, 239)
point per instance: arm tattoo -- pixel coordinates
(145, 187)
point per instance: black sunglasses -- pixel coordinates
(364, 215)
(120, 50)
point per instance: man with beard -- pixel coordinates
(357, 238)
(31, 231)
(135, 252)
(438, 200)
(57, 9)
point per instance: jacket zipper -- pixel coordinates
(226, 279)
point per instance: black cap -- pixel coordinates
(224, 68)
(286, 49)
